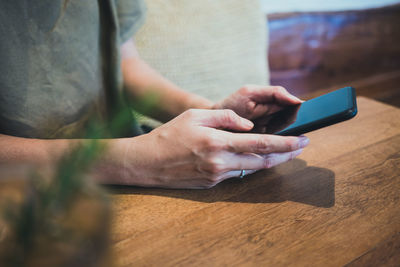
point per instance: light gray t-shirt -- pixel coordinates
(60, 64)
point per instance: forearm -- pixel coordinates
(46, 153)
(141, 81)
(33, 151)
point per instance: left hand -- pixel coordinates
(252, 101)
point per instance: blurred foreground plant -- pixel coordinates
(62, 217)
(57, 218)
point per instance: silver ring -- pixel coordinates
(242, 174)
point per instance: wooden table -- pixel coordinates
(337, 204)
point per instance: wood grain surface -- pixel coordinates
(337, 204)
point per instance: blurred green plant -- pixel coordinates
(62, 217)
(51, 224)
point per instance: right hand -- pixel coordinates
(191, 151)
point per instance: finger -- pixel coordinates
(236, 174)
(245, 161)
(264, 143)
(274, 159)
(260, 109)
(252, 163)
(276, 94)
(225, 119)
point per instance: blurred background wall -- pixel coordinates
(272, 6)
(320, 46)
(207, 47)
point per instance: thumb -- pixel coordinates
(226, 119)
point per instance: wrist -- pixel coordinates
(110, 167)
(216, 106)
(199, 102)
(125, 162)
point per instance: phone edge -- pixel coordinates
(340, 117)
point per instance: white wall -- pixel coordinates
(274, 6)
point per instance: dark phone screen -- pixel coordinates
(315, 110)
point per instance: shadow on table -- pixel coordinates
(292, 181)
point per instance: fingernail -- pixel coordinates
(298, 152)
(248, 123)
(304, 141)
(296, 98)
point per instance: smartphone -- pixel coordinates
(316, 113)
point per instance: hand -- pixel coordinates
(191, 152)
(253, 101)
